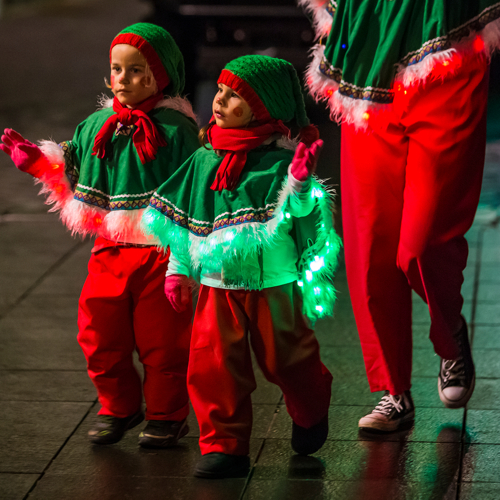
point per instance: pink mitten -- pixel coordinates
(178, 291)
(305, 160)
(27, 156)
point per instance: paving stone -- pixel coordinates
(131, 487)
(32, 432)
(296, 489)
(483, 426)
(486, 337)
(16, 486)
(126, 458)
(479, 491)
(365, 460)
(487, 363)
(431, 425)
(39, 385)
(343, 361)
(488, 292)
(488, 313)
(490, 272)
(481, 463)
(486, 395)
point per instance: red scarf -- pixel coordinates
(237, 142)
(146, 138)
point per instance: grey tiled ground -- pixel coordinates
(48, 403)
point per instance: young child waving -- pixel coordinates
(244, 216)
(101, 182)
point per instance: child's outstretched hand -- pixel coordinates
(305, 160)
(23, 153)
(178, 291)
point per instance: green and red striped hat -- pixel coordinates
(271, 88)
(160, 51)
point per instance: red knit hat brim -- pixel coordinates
(242, 88)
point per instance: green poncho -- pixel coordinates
(228, 229)
(107, 196)
(366, 44)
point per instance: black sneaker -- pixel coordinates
(457, 377)
(219, 465)
(162, 433)
(307, 441)
(390, 414)
(109, 429)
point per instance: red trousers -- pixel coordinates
(409, 194)
(220, 374)
(123, 308)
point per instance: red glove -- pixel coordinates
(178, 291)
(305, 160)
(27, 156)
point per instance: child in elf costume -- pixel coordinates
(409, 82)
(101, 182)
(244, 216)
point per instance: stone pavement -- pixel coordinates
(53, 64)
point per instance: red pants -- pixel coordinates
(409, 194)
(123, 308)
(220, 374)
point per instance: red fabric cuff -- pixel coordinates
(246, 92)
(154, 61)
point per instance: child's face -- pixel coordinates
(129, 82)
(229, 109)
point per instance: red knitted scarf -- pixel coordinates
(237, 142)
(146, 138)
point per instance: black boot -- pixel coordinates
(307, 441)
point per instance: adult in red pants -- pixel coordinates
(406, 208)
(123, 308)
(408, 81)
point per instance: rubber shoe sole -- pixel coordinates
(368, 423)
(152, 441)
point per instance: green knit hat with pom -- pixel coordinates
(160, 51)
(271, 87)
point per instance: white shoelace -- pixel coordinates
(453, 369)
(387, 403)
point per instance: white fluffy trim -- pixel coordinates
(342, 109)
(180, 104)
(81, 218)
(322, 19)
(477, 44)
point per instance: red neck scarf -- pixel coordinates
(146, 138)
(237, 142)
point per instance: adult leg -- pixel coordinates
(106, 335)
(446, 125)
(162, 338)
(373, 178)
(220, 373)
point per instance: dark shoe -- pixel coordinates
(390, 414)
(109, 429)
(162, 433)
(457, 377)
(307, 441)
(219, 465)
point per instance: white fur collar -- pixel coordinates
(177, 103)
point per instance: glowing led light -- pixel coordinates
(366, 116)
(343, 45)
(327, 243)
(317, 290)
(446, 63)
(478, 44)
(229, 236)
(309, 275)
(329, 92)
(317, 263)
(287, 215)
(319, 309)
(300, 283)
